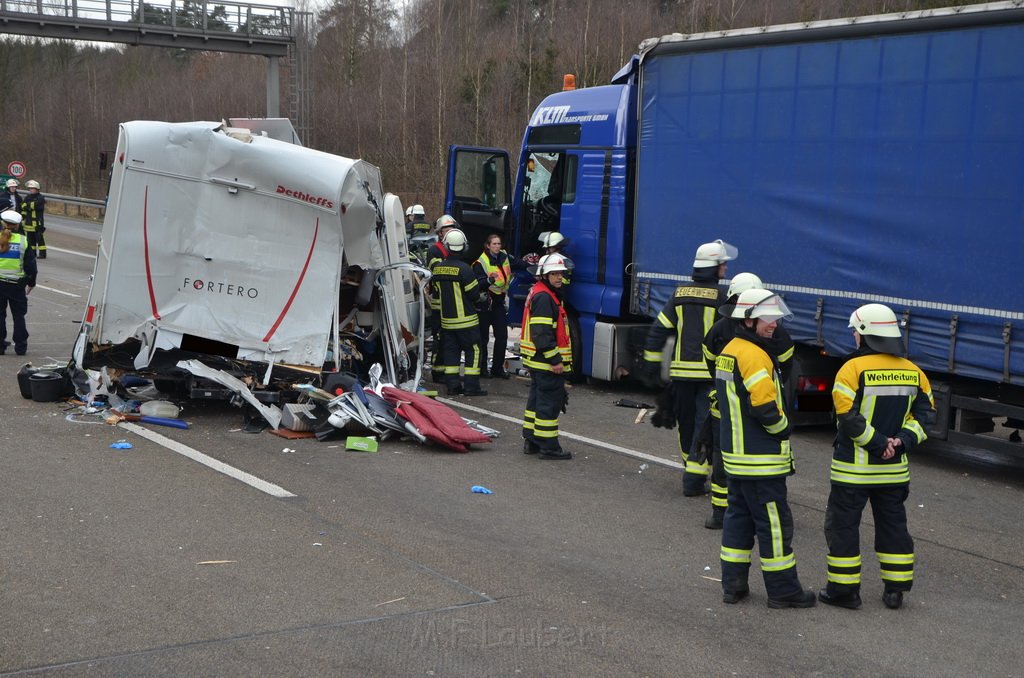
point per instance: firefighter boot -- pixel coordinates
(893, 599)
(798, 599)
(849, 600)
(714, 521)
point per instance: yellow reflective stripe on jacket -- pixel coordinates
(862, 472)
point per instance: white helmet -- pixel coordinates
(551, 239)
(418, 211)
(714, 253)
(455, 240)
(32, 183)
(878, 325)
(408, 211)
(12, 183)
(11, 217)
(741, 282)
(444, 221)
(761, 303)
(551, 263)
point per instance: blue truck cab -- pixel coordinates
(876, 159)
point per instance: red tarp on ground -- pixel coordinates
(435, 420)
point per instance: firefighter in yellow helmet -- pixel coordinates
(757, 457)
(883, 403)
(547, 352)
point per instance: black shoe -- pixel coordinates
(485, 374)
(455, 390)
(555, 454)
(893, 599)
(474, 392)
(3, 347)
(42, 255)
(500, 374)
(733, 597)
(851, 601)
(21, 352)
(714, 521)
(694, 491)
(799, 599)
(1015, 437)
(530, 448)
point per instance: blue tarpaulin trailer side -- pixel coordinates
(851, 164)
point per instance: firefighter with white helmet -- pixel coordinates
(883, 403)
(436, 253)
(757, 456)
(546, 347)
(33, 211)
(17, 279)
(420, 225)
(780, 346)
(459, 295)
(688, 316)
(11, 199)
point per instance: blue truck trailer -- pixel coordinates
(875, 159)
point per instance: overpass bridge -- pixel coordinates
(239, 27)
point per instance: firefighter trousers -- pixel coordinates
(759, 508)
(894, 546)
(455, 344)
(719, 481)
(692, 412)
(543, 406)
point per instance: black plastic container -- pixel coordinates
(24, 374)
(47, 387)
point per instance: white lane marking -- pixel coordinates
(64, 251)
(625, 451)
(194, 455)
(67, 294)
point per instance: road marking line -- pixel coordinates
(219, 466)
(64, 251)
(625, 451)
(67, 294)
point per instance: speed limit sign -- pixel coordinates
(16, 169)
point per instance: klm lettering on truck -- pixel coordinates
(224, 288)
(553, 115)
(305, 197)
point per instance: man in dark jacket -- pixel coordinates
(17, 280)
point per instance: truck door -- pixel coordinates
(478, 193)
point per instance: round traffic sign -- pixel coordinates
(17, 169)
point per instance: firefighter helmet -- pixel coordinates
(418, 211)
(761, 303)
(444, 221)
(408, 211)
(32, 183)
(551, 263)
(12, 183)
(551, 239)
(455, 240)
(714, 253)
(878, 325)
(10, 217)
(741, 282)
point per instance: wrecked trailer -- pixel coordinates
(228, 257)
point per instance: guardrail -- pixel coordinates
(86, 208)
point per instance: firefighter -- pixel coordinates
(722, 332)
(547, 352)
(460, 294)
(17, 280)
(494, 269)
(408, 222)
(435, 254)
(33, 210)
(688, 316)
(420, 225)
(757, 457)
(11, 199)
(883, 403)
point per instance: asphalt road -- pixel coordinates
(144, 562)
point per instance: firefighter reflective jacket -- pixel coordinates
(498, 265)
(458, 294)
(755, 429)
(545, 341)
(436, 253)
(33, 208)
(688, 315)
(420, 227)
(878, 396)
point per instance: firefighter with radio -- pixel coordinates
(460, 295)
(494, 269)
(436, 253)
(722, 332)
(17, 280)
(883, 403)
(757, 456)
(547, 352)
(33, 211)
(688, 316)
